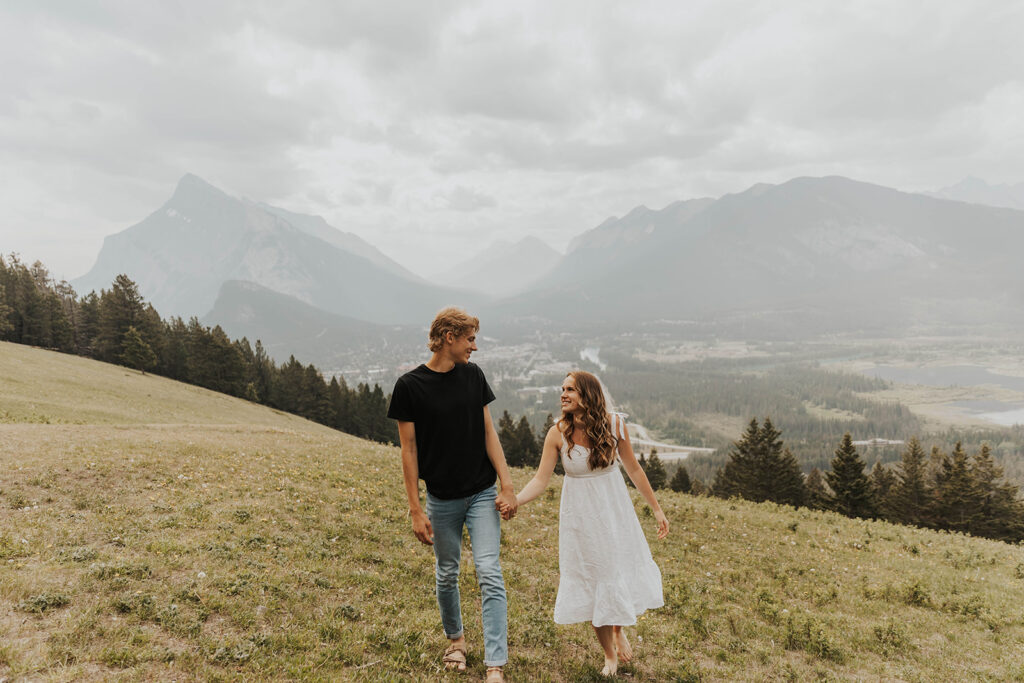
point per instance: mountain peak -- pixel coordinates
(192, 185)
(975, 190)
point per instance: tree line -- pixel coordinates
(118, 326)
(951, 491)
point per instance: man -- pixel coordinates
(448, 440)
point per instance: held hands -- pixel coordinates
(662, 520)
(506, 504)
(421, 527)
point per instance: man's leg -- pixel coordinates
(484, 524)
(447, 517)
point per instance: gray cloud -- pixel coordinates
(412, 123)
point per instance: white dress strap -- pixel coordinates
(619, 426)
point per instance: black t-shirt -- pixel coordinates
(447, 408)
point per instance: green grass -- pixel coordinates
(150, 531)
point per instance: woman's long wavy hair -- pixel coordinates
(593, 421)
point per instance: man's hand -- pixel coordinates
(506, 504)
(421, 527)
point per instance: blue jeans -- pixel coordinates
(478, 514)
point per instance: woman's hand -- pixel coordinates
(662, 524)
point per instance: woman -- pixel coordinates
(606, 573)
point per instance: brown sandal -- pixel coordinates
(495, 675)
(454, 658)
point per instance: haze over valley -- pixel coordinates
(820, 275)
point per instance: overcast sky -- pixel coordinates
(431, 128)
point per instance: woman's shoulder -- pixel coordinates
(615, 416)
(617, 421)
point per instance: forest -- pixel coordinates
(118, 326)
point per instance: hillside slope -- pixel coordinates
(170, 533)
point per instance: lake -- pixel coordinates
(997, 412)
(945, 376)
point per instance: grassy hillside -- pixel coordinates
(150, 530)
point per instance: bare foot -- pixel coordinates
(610, 667)
(622, 645)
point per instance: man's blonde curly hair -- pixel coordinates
(454, 320)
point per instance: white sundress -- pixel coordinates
(606, 573)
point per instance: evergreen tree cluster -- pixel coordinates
(521, 446)
(955, 492)
(760, 468)
(119, 326)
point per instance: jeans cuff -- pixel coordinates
(501, 663)
(457, 636)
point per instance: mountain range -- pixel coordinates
(809, 256)
(977, 191)
(183, 253)
(504, 268)
(812, 254)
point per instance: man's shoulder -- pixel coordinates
(413, 374)
(473, 372)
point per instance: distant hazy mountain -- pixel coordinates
(318, 227)
(181, 255)
(287, 326)
(977, 191)
(637, 225)
(503, 268)
(810, 255)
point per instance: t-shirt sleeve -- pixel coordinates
(401, 407)
(486, 395)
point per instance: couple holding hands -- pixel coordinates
(606, 573)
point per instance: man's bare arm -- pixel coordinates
(506, 501)
(411, 474)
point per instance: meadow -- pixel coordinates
(151, 530)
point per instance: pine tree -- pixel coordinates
(318, 404)
(137, 353)
(1001, 515)
(911, 497)
(883, 484)
(120, 307)
(508, 440)
(262, 376)
(760, 468)
(526, 443)
(786, 479)
(819, 495)
(337, 393)
(174, 354)
(656, 471)
(88, 324)
(5, 312)
(288, 385)
(732, 478)
(958, 499)
(681, 480)
(849, 483)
